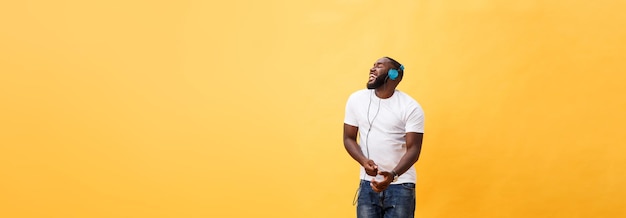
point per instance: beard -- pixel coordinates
(378, 82)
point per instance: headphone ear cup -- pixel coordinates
(393, 74)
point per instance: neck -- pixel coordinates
(384, 91)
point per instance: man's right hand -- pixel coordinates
(371, 168)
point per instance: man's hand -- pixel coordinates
(370, 168)
(379, 186)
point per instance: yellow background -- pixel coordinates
(235, 108)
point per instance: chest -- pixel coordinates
(386, 116)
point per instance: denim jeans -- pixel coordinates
(397, 201)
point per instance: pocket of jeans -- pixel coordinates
(410, 186)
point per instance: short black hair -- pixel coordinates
(396, 64)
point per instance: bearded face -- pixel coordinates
(376, 81)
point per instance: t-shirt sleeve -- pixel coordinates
(415, 121)
(350, 116)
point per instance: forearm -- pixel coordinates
(410, 157)
(355, 151)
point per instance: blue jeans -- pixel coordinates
(397, 201)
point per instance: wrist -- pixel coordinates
(363, 161)
(395, 175)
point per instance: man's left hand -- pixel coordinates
(379, 186)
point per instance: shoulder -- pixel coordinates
(413, 112)
(409, 103)
(360, 94)
(406, 98)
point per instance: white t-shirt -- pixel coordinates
(382, 132)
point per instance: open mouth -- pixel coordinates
(372, 78)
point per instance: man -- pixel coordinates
(391, 128)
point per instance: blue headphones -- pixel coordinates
(393, 73)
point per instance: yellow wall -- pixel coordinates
(235, 108)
